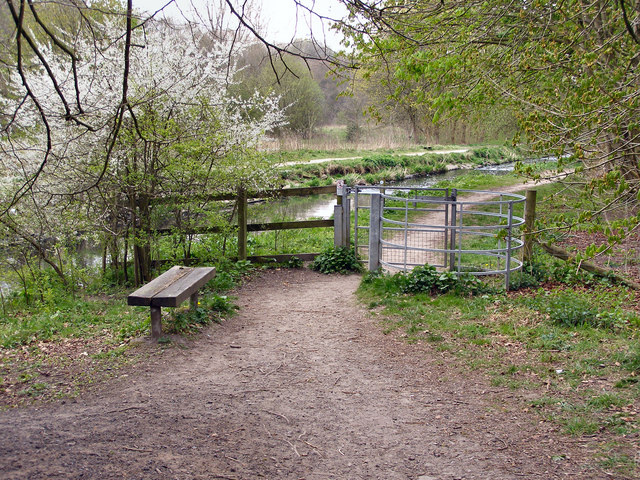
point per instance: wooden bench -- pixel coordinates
(169, 290)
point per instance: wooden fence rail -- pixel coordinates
(242, 198)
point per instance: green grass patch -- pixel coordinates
(372, 167)
(527, 342)
(82, 340)
(87, 317)
(310, 240)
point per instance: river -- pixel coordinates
(321, 206)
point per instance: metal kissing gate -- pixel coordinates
(463, 231)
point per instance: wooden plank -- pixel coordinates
(261, 227)
(191, 231)
(283, 257)
(143, 296)
(295, 192)
(185, 286)
(179, 199)
(255, 227)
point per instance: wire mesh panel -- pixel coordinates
(361, 211)
(414, 230)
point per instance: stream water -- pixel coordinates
(321, 206)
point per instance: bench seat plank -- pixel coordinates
(172, 287)
(185, 286)
(143, 295)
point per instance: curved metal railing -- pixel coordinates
(473, 231)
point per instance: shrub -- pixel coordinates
(353, 132)
(379, 160)
(210, 309)
(337, 260)
(531, 275)
(426, 279)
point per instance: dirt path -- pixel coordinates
(301, 384)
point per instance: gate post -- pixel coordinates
(346, 221)
(375, 221)
(529, 224)
(342, 216)
(338, 226)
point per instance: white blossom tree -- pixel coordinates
(102, 125)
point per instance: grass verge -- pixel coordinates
(374, 167)
(61, 347)
(580, 375)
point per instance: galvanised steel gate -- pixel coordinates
(473, 231)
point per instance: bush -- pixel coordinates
(337, 260)
(353, 132)
(426, 279)
(550, 269)
(378, 161)
(531, 275)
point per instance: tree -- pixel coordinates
(300, 95)
(105, 159)
(567, 70)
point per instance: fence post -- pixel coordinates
(338, 226)
(452, 234)
(374, 231)
(242, 224)
(346, 221)
(529, 224)
(340, 189)
(338, 215)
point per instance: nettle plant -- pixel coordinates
(101, 125)
(337, 260)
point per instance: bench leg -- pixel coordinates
(194, 301)
(156, 322)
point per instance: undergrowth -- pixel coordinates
(337, 260)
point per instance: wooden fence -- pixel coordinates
(242, 197)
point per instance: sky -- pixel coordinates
(279, 16)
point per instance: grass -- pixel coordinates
(568, 340)
(382, 165)
(580, 376)
(61, 347)
(311, 240)
(87, 317)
